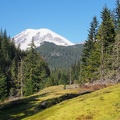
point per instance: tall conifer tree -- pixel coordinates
(106, 36)
(88, 48)
(3, 86)
(36, 70)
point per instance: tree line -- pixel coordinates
(101, 53)
(100, 60)
(22, 73)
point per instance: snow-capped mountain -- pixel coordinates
(41, 35)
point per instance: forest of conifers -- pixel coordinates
(101, 54)
(23, 73)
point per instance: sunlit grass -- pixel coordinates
(103, 104)
(100, 105)
(28, 106)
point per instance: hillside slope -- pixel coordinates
(60, 56)
(100, 105)
(28, 106)
(103, 104)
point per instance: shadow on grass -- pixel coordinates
(22, 108)
(18, 109)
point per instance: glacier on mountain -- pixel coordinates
(39, 36)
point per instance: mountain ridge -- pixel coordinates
(60, 56)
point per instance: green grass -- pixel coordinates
(103, 104)
(28, 106)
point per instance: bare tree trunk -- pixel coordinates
(102, 62)
(117, 70)
(80, 76)
(21, 72)
(70, 77)
(20, 77)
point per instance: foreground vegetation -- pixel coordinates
(100, 105)
(52, 104)
(21, 108)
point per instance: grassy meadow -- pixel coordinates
(102, 104)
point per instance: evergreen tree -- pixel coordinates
(107, 33)
(106, 36)
(116, 59)
(116, 48)
(9, 63)
(14, 73)
(117, 15)
(21, 72)
(88, 48)
(3, 86)
(36, 70)
(30, 61)
(75, 71)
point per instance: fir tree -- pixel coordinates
(116, 59)
(117, 15)
(107, 33)
(116, 48)
(3, 86)
(106, 36)
(36, 70)
(88, 48)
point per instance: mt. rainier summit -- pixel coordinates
(39, 36)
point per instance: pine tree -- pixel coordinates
(116, 48)
(88, 48)
(116, 59)
(30, 61)
(117, 16)
(36, 70)
(107, 33)
(106, 36)
(14, 73)
(3, 86)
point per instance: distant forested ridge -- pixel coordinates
(60, 56)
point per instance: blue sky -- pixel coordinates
(69, 18)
